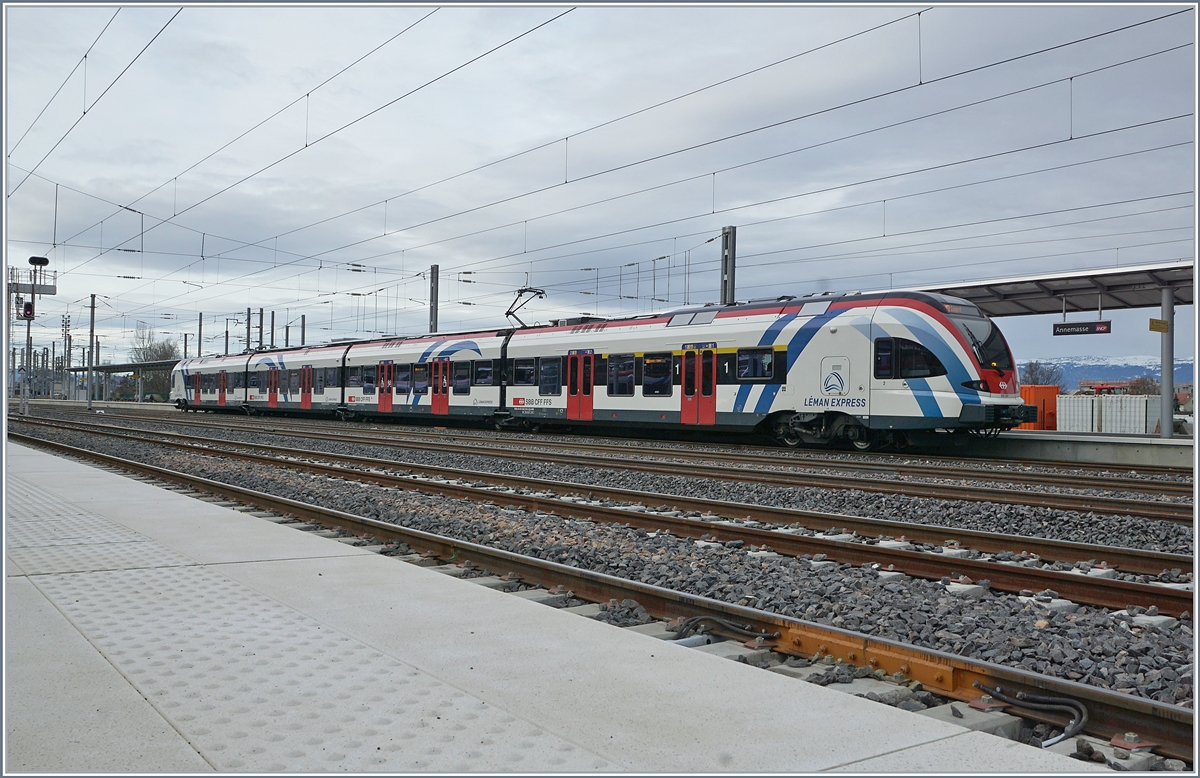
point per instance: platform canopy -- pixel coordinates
(131, 367)
(1138, 286)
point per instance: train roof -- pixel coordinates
(943, 303)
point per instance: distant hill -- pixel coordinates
(1115, 369)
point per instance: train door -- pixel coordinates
(273, 387)
(306, 387)
(197, 386)
(579, 386)
(385, 386)
(222, 383)
(698, 400)
(439, 389)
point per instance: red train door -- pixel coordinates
(273, 387)
(385, 386)
(196, 387)
(306, 387)
(699, 396)
(579, 386)
(439, 389)
(222, 382)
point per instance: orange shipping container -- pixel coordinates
(1045, 399)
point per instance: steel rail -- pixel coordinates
(749, 455)
(735, 448)
(1128, 560)
(1099, 592)
(948, 675)
(1177, 512)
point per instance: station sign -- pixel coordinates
(1082, 327)
(1159, 325)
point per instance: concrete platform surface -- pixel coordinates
(149, 631)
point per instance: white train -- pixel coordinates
(869, 369)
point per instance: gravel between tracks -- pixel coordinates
(1090, 645)
(1030, 521)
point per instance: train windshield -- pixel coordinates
(987, 340)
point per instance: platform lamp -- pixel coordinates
(27, 314)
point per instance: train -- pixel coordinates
(861, 370)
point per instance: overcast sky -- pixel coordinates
(317, 161)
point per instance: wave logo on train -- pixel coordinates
(834, 384)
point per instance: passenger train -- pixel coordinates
(864, 369)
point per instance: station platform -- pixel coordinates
(148, 631)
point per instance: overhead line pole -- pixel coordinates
(91, 353)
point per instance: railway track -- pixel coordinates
(956, 677)
(703, 466)
(1101, 592)
(1031, 473)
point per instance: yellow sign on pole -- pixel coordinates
(1158, 325)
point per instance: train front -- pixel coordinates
(1000, 405)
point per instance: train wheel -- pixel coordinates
(871, 442)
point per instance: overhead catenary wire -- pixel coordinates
(82, 61)
(93, 105)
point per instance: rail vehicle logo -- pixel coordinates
(834, 383)
(518, 401)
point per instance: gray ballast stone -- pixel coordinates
(1055, 605)
(993, 722)
(543, 596)
(891, 575)
(731, 649)
(970, 591)
(655, 629)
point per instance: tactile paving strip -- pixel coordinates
(254, 685)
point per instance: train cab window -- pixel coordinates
(621, 374)
(550, 375)
(420, 378)
(525, 372)
(656, 375)
(319, 381)
(916, 361)
(403, 379)
(355, 377)
(755, 364)
(885, 366)
(462, 377)
(293, 381)
(368, 378)
(483, 372)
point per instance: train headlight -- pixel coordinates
(979, 386)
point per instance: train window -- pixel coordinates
(707, 369)
(704, 317)
(884, 365)
(550, 375)
(403, 379)
(355, 378)
(319, 381)
(262, 380)
(420, 378)
(656, 375)
(483, 372)
(331, 377)
(916, 361)
(293, 381)
(755, 363)
(525, 372)
(680, 319)
(689, 373)
(587, 374)
(620, 374)
(462, 377)
(239, 380)
(368, 378)
(253, 376)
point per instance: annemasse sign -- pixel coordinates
(1082, 327)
